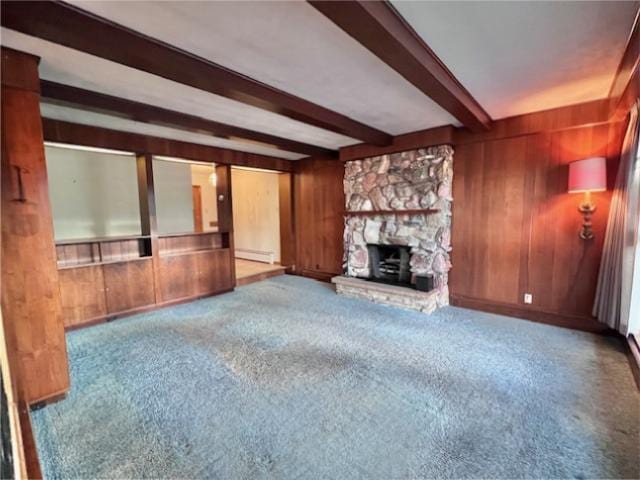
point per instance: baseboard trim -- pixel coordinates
(634, 358)
(147, 308)
(585, 324)
(317, 275)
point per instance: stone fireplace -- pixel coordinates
(398, 228)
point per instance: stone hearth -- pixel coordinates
(419, 181)
(392, 295)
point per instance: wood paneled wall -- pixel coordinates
(319, 217)
(32, 313)
(515, 227)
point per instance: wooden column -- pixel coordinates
(225, 210)
(287, 234)
(30, 292)
(148, 217)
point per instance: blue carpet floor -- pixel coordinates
(283, 379)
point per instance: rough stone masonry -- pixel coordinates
(412, 180)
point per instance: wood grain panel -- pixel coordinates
(30, 290)
(515, 227)
(178, 277)
(172, 244)
(560, 118)
(489, 190)
(319, 218)
(563, 269)
(82, 294)
(214, 271)
(128, 285)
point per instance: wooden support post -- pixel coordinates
(225, 210)
(30, 298)
(148, 217)
(287, 233)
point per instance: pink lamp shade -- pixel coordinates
(588, 175)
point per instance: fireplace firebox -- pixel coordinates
(390, 264)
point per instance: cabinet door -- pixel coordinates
(82, 294)
(128, 285)
(214, 271)
(178, 277)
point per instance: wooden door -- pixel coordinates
(82, 294)
(196, 192)
(128, 285)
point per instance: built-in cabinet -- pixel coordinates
(97, 290)
(104, 278)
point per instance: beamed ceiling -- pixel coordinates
(293, 79)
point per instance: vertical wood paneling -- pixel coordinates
(82, 294)
(319, 218)
(128, 285)
(515, 227)
(30, 290)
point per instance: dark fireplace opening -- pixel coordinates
(390, 264)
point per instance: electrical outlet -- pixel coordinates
(528, 298)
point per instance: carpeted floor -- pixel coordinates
(283, 379)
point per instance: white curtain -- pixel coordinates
(612, 304)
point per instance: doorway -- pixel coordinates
(257, 223)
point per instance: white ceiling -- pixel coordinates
(521, 57)
(514, 57)
(290, 46)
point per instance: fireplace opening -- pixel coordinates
(390, 264)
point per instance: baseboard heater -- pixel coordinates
(256, 255)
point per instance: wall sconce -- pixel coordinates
(586, 176)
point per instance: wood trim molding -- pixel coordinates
(562, 118)
(586, 324)
(66, 95)
(383, 31)
(73, 133)
(628, 66)
(73, 27)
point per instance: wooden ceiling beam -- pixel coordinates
(72, 27)
(59, 131)
(383, 31)
(66, 95)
